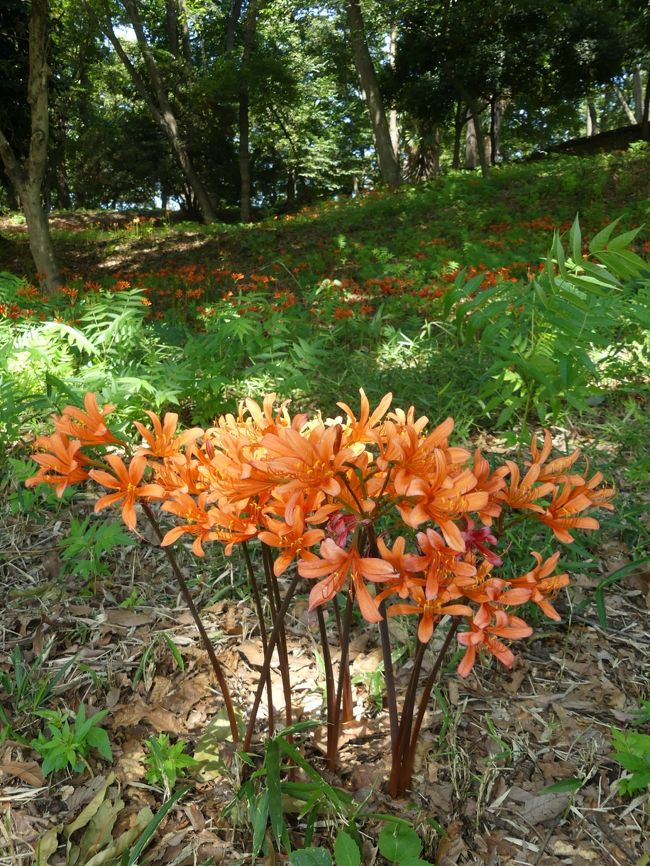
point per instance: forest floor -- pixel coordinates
(513, 767)
(490, 747)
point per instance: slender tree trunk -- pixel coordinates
(637, 88)
(250, 25)
(497, 108)
(645, 125)
(244, 159)
(160, 107)
(27, 178)
(480, 138)
(471, 153)
(625, 104)
(459, 122)
(388, 164)
(392, 114)
(591, 120)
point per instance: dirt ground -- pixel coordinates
(484, 761)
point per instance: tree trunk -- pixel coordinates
(392, 114)
(160, 107)
(471, 156)
(631, 116)
(591, 120)
(244, 159)
(637, 87)
(250, 25)
(388, 164)
(27, 178)
(497, 108)
(478, 132)
(459, 122)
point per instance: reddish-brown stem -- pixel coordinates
(332, 734)
(389, 676)
(407, 772)
(406, 721)
(268, 655)
(207, 643)
(347, 684)
(283, 656)
(260, 618)
(343, 663)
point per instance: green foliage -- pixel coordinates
(70, 745)
(558, 337)
(25, 689)
(86, 544)
(166, 762)
(633, 754)
(399, 843)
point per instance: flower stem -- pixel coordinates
(406, 721)
(343, 663)
(347, 685)
(407, 772)
(283, 657)
(207, 643)
(332, 734)
(260, 618)
(273, 637)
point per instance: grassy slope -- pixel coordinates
(393, 255)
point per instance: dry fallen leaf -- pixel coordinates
(28, 772)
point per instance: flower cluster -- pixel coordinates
(376, 505)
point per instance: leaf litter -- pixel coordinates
(490, 749)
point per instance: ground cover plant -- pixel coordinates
(95, 625)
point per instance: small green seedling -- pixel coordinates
(166, 762)
(70, 745)
(633, 754)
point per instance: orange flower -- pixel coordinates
(359, 430)
(561, 515)
(429, 612)
(162, 442)
(291, 538)
(61, 465)
(482, 633)
(89, 426)
(539, 583)
(125, 482)
(556, 469)
(335, 567)
(198, 521)
(522, 494)
(441, 565)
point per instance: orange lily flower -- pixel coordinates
(482, 633)
(441, 565)
(429, 611)
(335, 567)
(198, 521)
(539, 583)
(234, 527)
(561, 514)
(521, 493)
(555, 470)
(89, 426)
(361, 430)
(125, 482)
(163, 442)
(60, 465)
(291, 538)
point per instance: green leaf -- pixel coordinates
(575, 241)
(259, 818)
(399, 842)
(272, 764)
(310, 857)
(152, 826)
(346, 850)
